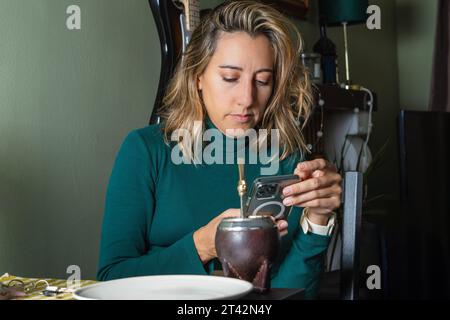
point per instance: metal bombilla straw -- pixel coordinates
(242, 187)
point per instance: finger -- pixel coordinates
(318, 173)
(329, 203)
(282, 225)
(230, 213)
(275, 220)
(334, 190)
(302, 174)
(316, 164)
(310, 184)
(304, 169)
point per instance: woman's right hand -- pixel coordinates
(205, 237)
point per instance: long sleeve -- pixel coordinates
(302, 259)
(129, 207)
(153, 206)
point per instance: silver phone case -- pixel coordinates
(258, 204)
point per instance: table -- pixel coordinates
(272, 294)
(37, 293)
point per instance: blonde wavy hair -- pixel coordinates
(291, 99)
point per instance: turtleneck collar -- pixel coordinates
(209, 124)
(227, 140)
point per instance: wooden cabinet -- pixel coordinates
(295, 8)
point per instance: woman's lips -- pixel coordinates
(242, 118)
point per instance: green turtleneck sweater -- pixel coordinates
(153, 206)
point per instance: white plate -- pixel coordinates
(171, 287)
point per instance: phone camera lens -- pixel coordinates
(266, 191)
(260, 192)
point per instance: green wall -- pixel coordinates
(416, 28)
(68, 98)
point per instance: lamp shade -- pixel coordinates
(337, 11)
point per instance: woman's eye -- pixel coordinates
(229, 79)
(262, 83)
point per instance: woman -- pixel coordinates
(241, 71)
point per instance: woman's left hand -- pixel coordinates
(319, 190)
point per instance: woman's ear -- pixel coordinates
(199, 83)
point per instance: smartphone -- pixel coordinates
(266, 196)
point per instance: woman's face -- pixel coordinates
(237, 83)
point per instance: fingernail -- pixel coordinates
(287, 191)
(283, 224)
(287, 201)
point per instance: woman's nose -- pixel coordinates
(246, 93)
